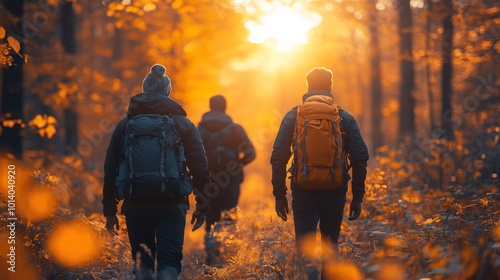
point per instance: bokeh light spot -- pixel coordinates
(42, 204)
(73, 244)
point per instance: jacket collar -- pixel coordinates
(317, 92)
(153, 103)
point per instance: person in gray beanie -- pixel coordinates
(155, 225)
(157, 81)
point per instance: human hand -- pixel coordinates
(354, 211)
(198, 219)
(111, 223)
(282, 207)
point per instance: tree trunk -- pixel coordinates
(406, 98)
(12, 90)
(375, 84)
(446, 70)
(428, 70)
(69, 43)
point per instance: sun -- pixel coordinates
(279, 25)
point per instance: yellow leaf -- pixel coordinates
(10, 123)
(418, 218)
(14, 44)
(39, 121)
(428, 221)
(51, 120)
(41, 132)
(50, 131)
(484, 202)
(2, 32)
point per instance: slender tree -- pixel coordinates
(428, 70)
(375, 84)
(446, 70)
(406, 98)
(69, 45)
(12, 88)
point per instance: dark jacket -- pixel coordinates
(236, 138)
(354, 147)
(152, 103)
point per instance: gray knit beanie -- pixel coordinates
(156, 81)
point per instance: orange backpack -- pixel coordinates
(319, 161)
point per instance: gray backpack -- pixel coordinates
(152, 165)
(217, 151)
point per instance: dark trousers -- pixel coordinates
(225, 197)
(157, 233)
(311, 208)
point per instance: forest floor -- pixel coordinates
(410, 228)
(403, 233)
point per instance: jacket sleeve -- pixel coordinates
(282, 152)
(196, 161)
(357, 153)
(245, 146)
(110, 170)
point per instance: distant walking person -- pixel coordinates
(146, 166)
(228, 149)
(325, 142)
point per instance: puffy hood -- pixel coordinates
(215, 120)
(153, 103)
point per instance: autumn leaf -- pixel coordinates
(38, 121)
(484, 202)
(51, 120)
(46, 125)
(11, 123)
(418, 218)
(14, 44)
(50, 131)
(2, 32)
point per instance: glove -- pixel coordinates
(282, 207)
(111, 222)
(354, 211)
(198, 219)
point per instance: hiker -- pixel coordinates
(228, 149)
(326, 143)
(146, 166)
